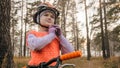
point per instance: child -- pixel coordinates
(49, 41)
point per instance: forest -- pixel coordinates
(92, 26)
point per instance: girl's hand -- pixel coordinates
(58, 31)
(52, 29)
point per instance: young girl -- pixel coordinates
(49, 42)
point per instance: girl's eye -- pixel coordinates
(52, 16)
(45, 14)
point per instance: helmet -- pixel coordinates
(42, 7)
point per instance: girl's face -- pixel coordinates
(47, 19)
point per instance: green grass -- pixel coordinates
(98, 62)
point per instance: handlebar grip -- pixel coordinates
(71, 55)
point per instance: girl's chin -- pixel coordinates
(50, 24)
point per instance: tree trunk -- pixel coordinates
(87, 29)
(12, 36)
(102, 32)
(63, 24)
(26, 20)
(77, 33)
(21, 39)
(106, 32)
(6, 55)
(74, 31)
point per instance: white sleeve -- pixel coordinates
(39, 42)
(66, 47)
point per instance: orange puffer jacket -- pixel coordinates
(45, 54)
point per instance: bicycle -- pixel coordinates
(59, 60)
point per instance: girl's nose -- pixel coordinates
(49, 17)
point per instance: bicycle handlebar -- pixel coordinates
(67, 56)
(71, 55)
